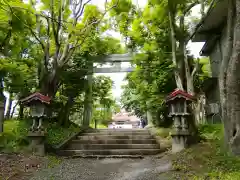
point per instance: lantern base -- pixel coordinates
(179, 142)
(37, 142)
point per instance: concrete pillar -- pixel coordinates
(37, 142)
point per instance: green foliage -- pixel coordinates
(211, 132)
(53, 161)
(207, 160)
(14, 137)
(56, 134)
(163, 132)
(152, 78)
(104, 103)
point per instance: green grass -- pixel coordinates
(163, 132)
(53, 161)
(14, 138)
(208, 159)
(99, 126)
(57, 134)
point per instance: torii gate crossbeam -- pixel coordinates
(114, 58)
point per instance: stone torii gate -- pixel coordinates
(115, 59)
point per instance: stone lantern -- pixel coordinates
(37, 104)
(178, 102)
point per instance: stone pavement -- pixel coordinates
(149, 168)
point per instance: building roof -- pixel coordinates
(212, 23)
(178, 93)
(125, 116)
(36, 97)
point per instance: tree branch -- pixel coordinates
(65, 57)
(53, 24)
(195, 68)
(61, 11)
(47, 56)
(81, 9)
(37, 38)
(190, 7)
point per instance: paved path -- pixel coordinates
(149, 168)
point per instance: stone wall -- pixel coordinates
(212, 95)
(217, 53)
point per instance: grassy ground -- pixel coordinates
(15, 162)
(206, 160)
(99, 126)
(14, 138)
(164, 133)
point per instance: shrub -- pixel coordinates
(211, 131)
(208, 159)
(14, 137)
(57, 134)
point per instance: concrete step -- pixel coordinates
(117, 130)
(107, 137)
(117, 133)
(115, 141)
(77, 146)
(108, 156)
(110, 152)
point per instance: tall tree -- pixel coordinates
(59, 27)
(12, 43)
(229, 79)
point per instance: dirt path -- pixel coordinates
(149, 168)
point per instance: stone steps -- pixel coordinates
(114, 133)
(108, 137)
(110, 152)
(73, 146)
(114, 143)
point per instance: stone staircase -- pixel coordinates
(112, 143)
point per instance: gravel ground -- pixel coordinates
(149, 168)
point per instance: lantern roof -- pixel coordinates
(178, 93)
(36, 97)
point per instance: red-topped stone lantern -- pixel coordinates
(37, 104)
(179, 102)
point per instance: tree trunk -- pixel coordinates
(233, 90)
(87, 114)
(202, 10)
(65, 112)
(95, 124)
(184, 58)
(13, 110)
(49, 84)
(9, 108)
(20, 115)
(223, 70)
(2, 104)
(174, 52)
